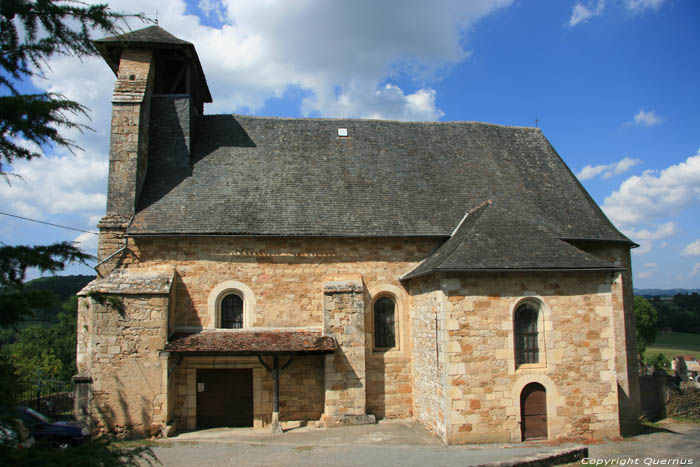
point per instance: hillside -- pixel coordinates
(63, 287)
(663, 292)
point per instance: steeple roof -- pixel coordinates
(153, 37)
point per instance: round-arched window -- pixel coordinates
(232, 312)
(384, 323)
(526, 346)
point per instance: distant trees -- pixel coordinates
(682, 313)
(48, 351)
(646, 318)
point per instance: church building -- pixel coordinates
(264, 272)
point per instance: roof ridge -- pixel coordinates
(360, 119)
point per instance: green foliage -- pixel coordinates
(109, 300)
(15, 301)
(8, 385)
(675, 343)
(64, 287)
(658, 361)
(31, 31)
(646, 318)
(680, 313)
(48, 351)
(100, 452)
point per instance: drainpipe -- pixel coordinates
(126, 242)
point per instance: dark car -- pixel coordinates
(58, 433)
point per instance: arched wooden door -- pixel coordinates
(533, 411)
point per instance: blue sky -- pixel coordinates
(612, 84)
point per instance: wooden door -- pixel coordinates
(533, 407)
(224, 398)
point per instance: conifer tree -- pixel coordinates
(31, 31)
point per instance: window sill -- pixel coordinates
(384, 349)
(531, 366)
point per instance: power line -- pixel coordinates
(48, 223)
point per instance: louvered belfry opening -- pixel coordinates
(384, 323)
(232, 312)
(526, 347)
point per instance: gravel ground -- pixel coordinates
(403, 443)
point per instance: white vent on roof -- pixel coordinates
(342, 131)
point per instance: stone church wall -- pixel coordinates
(429, 403)
(119, 340)
(286, 277)
(576, 364)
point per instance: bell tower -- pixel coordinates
(159, 92)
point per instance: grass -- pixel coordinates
(675, 343)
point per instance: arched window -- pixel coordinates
(384, 323)
(232, 312)
(526, 346)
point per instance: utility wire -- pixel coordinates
(48, 223)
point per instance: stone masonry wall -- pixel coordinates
(577, 357)
(287, 276)
(626, 364)
(128, 151)
(684, 403)
(345, 378)
(118, 346)
(429, 403)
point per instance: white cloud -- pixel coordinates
(87, 242)
(693, 249)
(645, 238)
(637, 6)
(696, 269)
(582, 13)
(66, 183)
(645, 274)
(607, 171)
(342, 56)
(643, 118)
(649, 273)
(656, 195)
(213, 8)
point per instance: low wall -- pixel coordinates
(684, 403)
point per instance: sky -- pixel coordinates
(613, 84)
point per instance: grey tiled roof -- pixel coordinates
(272, 176)
(132, 282)
(493, 239)
(150, 35)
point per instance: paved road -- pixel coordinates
(399, 443)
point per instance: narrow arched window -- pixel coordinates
(232, 312)
(384, 323)
(526, 348)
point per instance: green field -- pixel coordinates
(675, 343)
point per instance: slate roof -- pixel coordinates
(152, 37)
(132, 282)
(233, 341)
(492, 239)
(297, 177)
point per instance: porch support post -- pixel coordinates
(275, 371)
(276, 394)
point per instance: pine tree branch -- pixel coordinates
(48, 28)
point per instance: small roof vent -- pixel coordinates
(342, 132)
